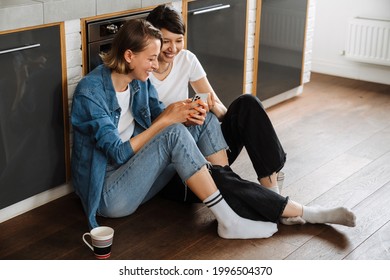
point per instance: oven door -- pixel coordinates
(100, 33)
(94, 51)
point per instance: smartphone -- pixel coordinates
(202, 96)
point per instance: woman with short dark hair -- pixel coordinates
(244, 123)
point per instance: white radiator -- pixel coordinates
(368, 40)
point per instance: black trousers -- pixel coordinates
(248, 199)
(246, 124)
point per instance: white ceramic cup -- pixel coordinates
(102, 238)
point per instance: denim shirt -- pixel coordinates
(95, 117)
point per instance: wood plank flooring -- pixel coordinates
(337, 139)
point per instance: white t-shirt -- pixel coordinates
(186, 68)
(126, 121)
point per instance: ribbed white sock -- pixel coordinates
(291, 220)
(232, 226)
(320, 215)
(275, 189)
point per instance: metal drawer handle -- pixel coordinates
(211, 9)
(20, 48)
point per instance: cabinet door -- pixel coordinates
(216, 33)
(281, 46)
(33, 149)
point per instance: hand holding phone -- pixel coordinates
(200, 110)
(202, 96)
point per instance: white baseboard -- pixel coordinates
(282, 97)
(33, 202)
(353, 70)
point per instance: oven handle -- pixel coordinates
(20, 48)
(210, 9)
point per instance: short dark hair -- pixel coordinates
(165, 16)
(133, 35)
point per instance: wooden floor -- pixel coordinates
(337, 136)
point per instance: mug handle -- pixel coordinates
(85, 241)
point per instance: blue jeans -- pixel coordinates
(175, 149)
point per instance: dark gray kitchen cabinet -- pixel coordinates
(280, 43)
(34, 147)
(216, 33)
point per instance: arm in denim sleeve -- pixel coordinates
(91, 117)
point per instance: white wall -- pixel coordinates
(330, 33)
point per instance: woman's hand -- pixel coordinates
(186, 112)
(178, 112)
(214, 103)
(199, 116)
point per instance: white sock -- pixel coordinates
(280, 179)
(290, 221)
(274, 189)
(320, 215)
(232, 226)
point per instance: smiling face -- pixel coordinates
(172, 44)
(144, 62)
